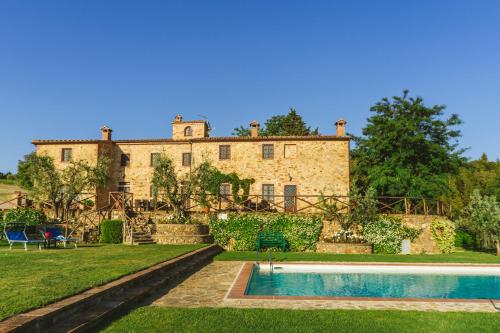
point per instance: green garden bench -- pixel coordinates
(270, 240)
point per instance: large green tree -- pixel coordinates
(407, 149)
(281, 125)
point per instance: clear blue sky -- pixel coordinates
(68, 67)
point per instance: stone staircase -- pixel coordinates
(141, 231)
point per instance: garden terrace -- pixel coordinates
(36, 278)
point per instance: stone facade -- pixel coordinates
(313, 164)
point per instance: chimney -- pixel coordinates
(340, 124)
(254, 129)
(178, 119)
(106, 133)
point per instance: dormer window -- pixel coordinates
(188, 131)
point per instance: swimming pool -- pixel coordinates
(389, 281)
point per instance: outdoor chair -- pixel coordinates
(270, 240)
(55, 234)
(15, 232)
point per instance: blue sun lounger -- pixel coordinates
(57, 236)
(15, 232)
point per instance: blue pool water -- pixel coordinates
(373, 285)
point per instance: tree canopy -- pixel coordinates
(407, 149)
(281, 125)
(60, 187)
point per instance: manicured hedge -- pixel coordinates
(111, 231)
(301, 231)
(29, 215)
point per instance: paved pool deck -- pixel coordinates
(210, 286)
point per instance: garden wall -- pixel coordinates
(424, 243)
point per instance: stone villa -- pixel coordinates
(281, 166)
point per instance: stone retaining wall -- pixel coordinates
(85, 311)
(182, 234)
(344, 248)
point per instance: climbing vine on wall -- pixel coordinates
(211, 180)
(443, 232)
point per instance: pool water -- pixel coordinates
(390, 285)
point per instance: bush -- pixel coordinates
(465, 239)
(301, 232)
(443, 232)
(111, 231)
(29, 215)
(387, 233)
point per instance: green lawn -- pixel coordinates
(458, 257)
(35, 278)
(156, 319)
(7, 189)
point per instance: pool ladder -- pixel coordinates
(271, 265)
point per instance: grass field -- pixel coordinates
(459, 257)
(156, 319)
(7, 188)
(35, 278)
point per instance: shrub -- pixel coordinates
(301, 232)
(465, 239)
(387, 233)
(443, 232)
(111, 231)
(29, 215)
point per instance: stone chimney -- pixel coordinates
(254, 129)
(106, 133)
(340, 124)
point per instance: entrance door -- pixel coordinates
(290, 198)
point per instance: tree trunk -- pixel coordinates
(498, 246)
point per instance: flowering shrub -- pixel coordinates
(443, 232)
(347, 236)
(301, 232)
(387, 233)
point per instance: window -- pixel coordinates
(154, 158)
(123, 186)
(290, 151)
(224, 152)
(125, 160)
(225, 190)
(66, 154)
(186, 159)
(268, 192)
(268, 152)
(188, 131)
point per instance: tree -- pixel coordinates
(407, 149)
(281, 125)
(60, 187)
(174, 190)
(202, 181)
(482, 215)
(480, 174)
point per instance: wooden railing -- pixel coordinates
(301, 204)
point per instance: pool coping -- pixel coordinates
(239, 286)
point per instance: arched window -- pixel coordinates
(188, 131)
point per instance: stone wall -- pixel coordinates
(424, 243)
(344, 248)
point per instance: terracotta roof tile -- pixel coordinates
(207, 139)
